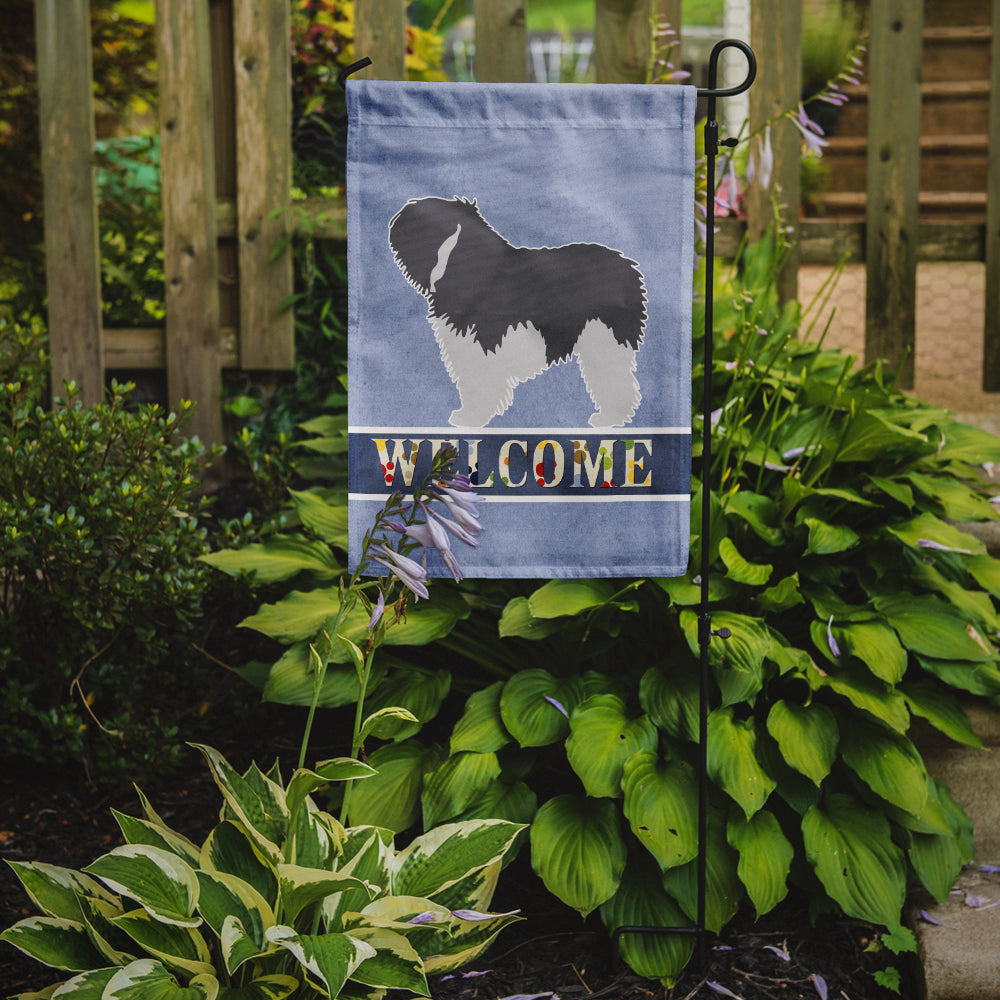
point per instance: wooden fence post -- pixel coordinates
(892, 213)
(262, 61)
(72, 256)
(380, 34)
(501, 38)
(776, 35)
(622, 40)
(991, 332)
(190, 252)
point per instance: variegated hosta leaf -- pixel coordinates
(367, 853)
(225, 897)
(230, 849)
(149, 980)
(481, 727)
(158, 880)
(807, 736)
(304, 782)
(578, 851)
(723, 889)
(441, 857)
(888, 763)
(466, 941)
(177, 947)
(456, 784)
(56, 891)
(732, 760)
(98, 915)
(329, 959)
(476, 890)
(661, 799)
(850, 847)
(300, 887)
(535, 706)
(273, 987)
(391, 799)
(602, 737)
(395, 964)
(86, 986)
(315, 838)
(642, 902)
(765, 858)
(256, 801)
(54, 941)
(141, 831)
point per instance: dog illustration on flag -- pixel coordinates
(502, 314)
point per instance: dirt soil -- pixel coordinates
(552, 952)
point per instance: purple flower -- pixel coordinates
(377, 611)
(834, 648)
(457, 530)
(820, 983)
(780, 952)
(427, 917)
(558, 705)
(719, 988)
(475, 915)
(411, 574)
(927, 543)
(761, 163)
(811, 132)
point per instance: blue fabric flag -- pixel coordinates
(520, 261)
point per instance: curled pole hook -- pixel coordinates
(713, 90)
(349, 70)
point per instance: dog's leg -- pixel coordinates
(486, 381)
(608, 370)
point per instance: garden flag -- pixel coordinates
(520, 262)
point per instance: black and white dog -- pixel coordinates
(503, 314)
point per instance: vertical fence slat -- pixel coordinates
(991, 332)
(622, 40)
(72, 257)
(501, 38)
(190, 254)
(380, 34)
(892, 215)
(776, 35)
(261, 57)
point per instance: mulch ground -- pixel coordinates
(59, 820)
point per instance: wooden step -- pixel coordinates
(957, 206)
(940, 13)
(956, 53)
(947, 162)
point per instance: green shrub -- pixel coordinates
(99, 539)
(279, 900)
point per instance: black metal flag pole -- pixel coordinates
(705, 631)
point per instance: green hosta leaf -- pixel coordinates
(893, 488)
(515, 803)
(661, 798)
(180, 948)
(827, 539)
(876, 646)
(386, 723)
(931, 628)
(928, 528)
(558, 598)
(395, 964)
(739, 569)
(807, 736)
(274, 987)
(391, 798)
(765, 858)
(292, 681)
(301, 887)
(327, 520)
(976, 678)
(850, 847)
(147, 979)
(602, 738)
(671, 699)
(54, 941)
(481, 728)
(758, 511)
(986, 572)
(260, 809)
(869, 436)
(456, 784)
(937, 859)
(641, 901)
(941, 709)
(783, 595)
(965, 443)
(517, 620)
(443, 856)
(159, 881)
(225, 897)
(888, 763)
(732, 760)
(56, 891)
(330, 959)
(865, 692)
(723, 889)
(957, 501)
(976, 605)
(279, 558)
(141, 831)
(578, 851)
(738, 661)
(528, 710)
(230, 849)
(416, 689)
(684, 592)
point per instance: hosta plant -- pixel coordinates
(279, 900)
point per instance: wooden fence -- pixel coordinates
(226, 160)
